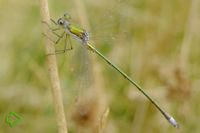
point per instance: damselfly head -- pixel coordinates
(62, 22)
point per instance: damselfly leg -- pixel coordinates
(59, 38)
(67, 41)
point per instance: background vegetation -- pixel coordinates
(154, 41)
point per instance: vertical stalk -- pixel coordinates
(189, 30)
(101, 109)
(53, 72)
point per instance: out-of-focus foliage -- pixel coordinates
(155, 42)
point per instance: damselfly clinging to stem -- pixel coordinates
(82, 36)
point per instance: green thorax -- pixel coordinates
(79, 32)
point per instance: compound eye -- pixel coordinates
(60, 21)
(67, 16)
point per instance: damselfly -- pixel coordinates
(80, 34)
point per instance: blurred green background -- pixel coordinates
(154, 41)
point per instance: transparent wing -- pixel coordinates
(85, 74)
(85, 104)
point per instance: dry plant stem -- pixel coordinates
(100, 97)
(189, 29)
(140, 115)
(82, 13)
(53, 72)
